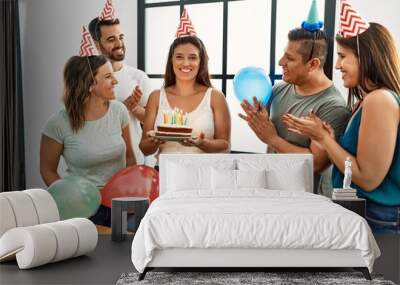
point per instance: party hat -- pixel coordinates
(351, 23)
(87, 46)
(108, 12)
(185, 26)
(312, 23)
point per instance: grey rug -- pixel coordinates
(270, 278)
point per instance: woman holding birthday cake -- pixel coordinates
(187, 115)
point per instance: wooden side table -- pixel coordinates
(119, 215)
(357, 205)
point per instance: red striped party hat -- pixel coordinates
(185, 26)
(351, 23)
(108, 12)
(87, 46)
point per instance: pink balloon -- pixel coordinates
(133, 181)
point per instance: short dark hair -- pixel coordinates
(95, 25)
(203, 76)
(313, 44)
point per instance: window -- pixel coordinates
(236, 33)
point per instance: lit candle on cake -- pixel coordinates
(165, 118)
(175, 117)
(174, 123)
(180, 118)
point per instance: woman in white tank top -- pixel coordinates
(187, 86)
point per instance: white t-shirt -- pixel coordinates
(128, 77)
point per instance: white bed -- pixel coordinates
(241, 210)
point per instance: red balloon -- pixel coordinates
(133, 181)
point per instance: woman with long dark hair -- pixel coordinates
(187, 86)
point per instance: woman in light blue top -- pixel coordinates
(370, 68)
(91, 132)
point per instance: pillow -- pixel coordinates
(281, 180)
(183, 178)
(280, 174)
(235, 179)
(251, 178)
(189, 176)
(223, 179)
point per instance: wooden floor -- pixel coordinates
(102, 230)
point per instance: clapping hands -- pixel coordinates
(257, 118)
(133, 100)
(311, 126)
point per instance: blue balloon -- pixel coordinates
(252, 82)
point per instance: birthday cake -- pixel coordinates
(175, 123)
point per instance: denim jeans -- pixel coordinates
(383, 219)
(103, 217)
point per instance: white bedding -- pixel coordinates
(252, 218)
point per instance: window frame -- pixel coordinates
(329, 23)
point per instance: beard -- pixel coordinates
(113, 55)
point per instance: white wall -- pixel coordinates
(50, 34)
(383, 12)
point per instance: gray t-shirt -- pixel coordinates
(328, 104)
(97, 151)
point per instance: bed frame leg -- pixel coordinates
(143, 274)
(364, 271)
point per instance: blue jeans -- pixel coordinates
(103, 218)
(383, 219)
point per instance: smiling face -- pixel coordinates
(186, 62)
(104, 83)
(294, 69)
(348, 64)
(111, 42)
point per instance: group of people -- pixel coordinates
(98, 136)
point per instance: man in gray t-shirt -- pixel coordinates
(305, 88)
(328, 104)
